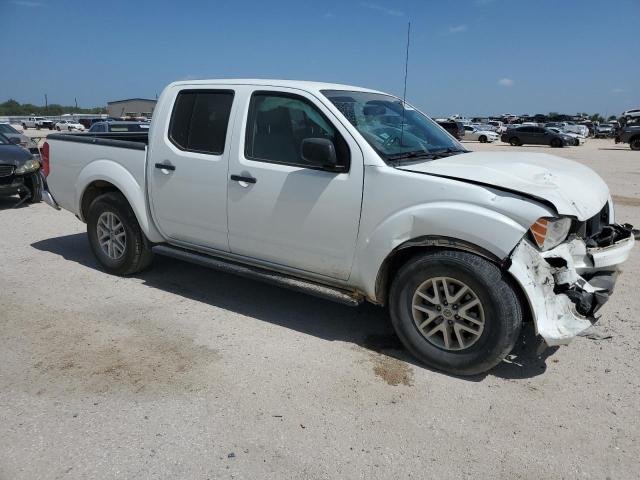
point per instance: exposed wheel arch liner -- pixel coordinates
(399, 255)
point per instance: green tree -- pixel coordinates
(12, 107)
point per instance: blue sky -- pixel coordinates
(467, 56)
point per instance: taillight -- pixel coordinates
(45, 159)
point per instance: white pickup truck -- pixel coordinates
(351, 194)
(38, 123)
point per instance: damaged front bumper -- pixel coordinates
(567, 285)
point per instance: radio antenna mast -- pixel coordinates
(404, 93)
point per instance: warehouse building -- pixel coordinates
(132, 107)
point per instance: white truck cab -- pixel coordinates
(351, 194)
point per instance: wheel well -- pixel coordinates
(93, 191)
(403, 253)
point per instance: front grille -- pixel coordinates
(6, 170)
(594, 225)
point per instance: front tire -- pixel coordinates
(556, 143)
(635, 144)
(455, 311)
(115, 235)
(482, 139)
(34, 183)
(514, 142)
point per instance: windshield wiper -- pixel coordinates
(414, 154)
(424, 155)
(445, 152)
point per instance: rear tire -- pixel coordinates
(129, 251)
(556, 143)
(635, 144)
(515, 142)
(499, 309)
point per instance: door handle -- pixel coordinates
(165, 166)
(240, 178)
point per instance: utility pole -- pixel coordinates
(46, 103)
(76, 100)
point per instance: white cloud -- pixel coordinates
(380, 8)
(458, 29)
(27, 3)
(506, 82)
(328, 15)
(617, 90)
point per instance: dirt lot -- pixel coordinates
(183, 372)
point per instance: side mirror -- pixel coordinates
(320, 152)
(15, 140)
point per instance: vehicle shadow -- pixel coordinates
(7, 203)
(366, 326)
(618, 149)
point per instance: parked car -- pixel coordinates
(632, 115)
(578, 139)
(102, 127)
(37, 123)
(536, 136)
(630, 135)
(582, 130)
(69, 125)
(345, 193)
(499, 126)
(482, 136)
(19, 172)
(25, 142)
(453, 127)
(604, 130)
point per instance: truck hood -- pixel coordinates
(570, 187)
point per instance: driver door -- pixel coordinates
(282, 209)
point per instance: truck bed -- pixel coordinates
(111, 157)
(134, 140)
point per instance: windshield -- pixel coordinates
(4, 128)
(4, 140)
(394, 132)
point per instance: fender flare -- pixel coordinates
(112, 172)
(431, 225)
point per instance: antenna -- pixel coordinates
(404, 93)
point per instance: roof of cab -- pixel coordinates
(300, 84)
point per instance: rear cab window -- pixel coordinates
(200, 120)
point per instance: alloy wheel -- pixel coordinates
(112, 236)
(448, 313)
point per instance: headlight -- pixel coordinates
(26, 167)
(550, 232)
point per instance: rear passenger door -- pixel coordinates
(187, 168)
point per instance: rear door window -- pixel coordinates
(200, 120)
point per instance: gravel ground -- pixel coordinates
(183, 372)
